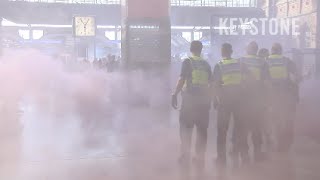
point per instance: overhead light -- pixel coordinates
(51, 26)
(190, 27)
(7, 23)
(105, 27)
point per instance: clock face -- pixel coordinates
(84, 26)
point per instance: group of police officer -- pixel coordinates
(255, 91)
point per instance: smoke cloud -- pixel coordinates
(52, 102)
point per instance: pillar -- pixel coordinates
(1, 45)
(318, 40)
(146, 45)
(146, 32)
(3, 9)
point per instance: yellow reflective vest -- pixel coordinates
(200, 76)
(278, 67)
(254, 65)
(230, 72)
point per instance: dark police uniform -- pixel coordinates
(284, 97)
(228, 78)
(255, 105)
(195, 104)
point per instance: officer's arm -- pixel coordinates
(216, 84)
(179, 85)
(216, 80)
(182, 79)
(295, 76)
(210, 80)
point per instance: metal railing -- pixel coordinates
(208, 3)
(74, 1)
(215, 3)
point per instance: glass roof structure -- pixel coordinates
(209, 3)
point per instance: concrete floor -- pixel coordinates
(141, 144)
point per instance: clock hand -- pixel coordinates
(86, 22)
(85, 30)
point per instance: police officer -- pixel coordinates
(228, 77)
(284, 96)
(255, 102)
(195, 76)
(264, 53)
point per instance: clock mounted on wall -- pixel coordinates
(84, 26)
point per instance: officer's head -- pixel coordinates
(252, 48)
(263, 53)
(276, 49)
(196, 48)
(226, 50)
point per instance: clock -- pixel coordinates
(84, 26)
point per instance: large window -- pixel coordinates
(37, 34)
(25, 34)
(111, 35)
(213, 3)
(197, 35)
(187, 36)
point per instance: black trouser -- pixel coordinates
(284, 98)
(191, 116)
(255, 117)
(225, 112)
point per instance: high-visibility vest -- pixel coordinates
(231, 72)
(278, 67)
(200, 75)
(254, 64)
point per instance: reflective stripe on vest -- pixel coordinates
(254, 65)
(278, 67)
(231, 72)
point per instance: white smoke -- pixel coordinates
(50, 102)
